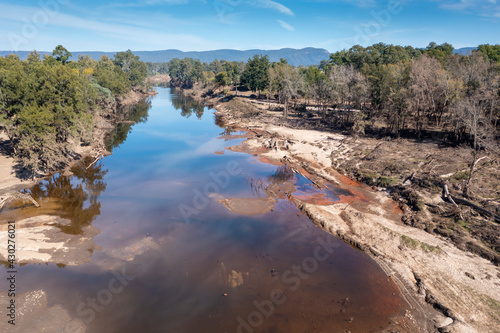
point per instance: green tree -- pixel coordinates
(61, 54)
(311, 76)
(377, 54)
(222, 79)
(111, 76)
(491, 51)
(440, 52)
(256, 74)
(135, 69)
(186, 72)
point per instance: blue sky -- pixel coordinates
(198, 25)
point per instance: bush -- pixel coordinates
(105, 93)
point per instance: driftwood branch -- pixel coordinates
(3, 201)
(309, 179)
(22, 196)
(312, 181)
(97, 159)
(30, 198)
(453, 199)
(477, 208)
(448, 196)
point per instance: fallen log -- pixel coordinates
(3, 201)
(448, 196)
(453, 199)
(477, 208)
(27, 196)
(309, 179)
(22, 196)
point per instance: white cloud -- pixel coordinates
(286, 25)
(488, 8)
(272, 5)
(114, 32)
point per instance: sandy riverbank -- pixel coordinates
(449, 289)
(10, 180)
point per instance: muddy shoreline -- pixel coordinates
(448, 289)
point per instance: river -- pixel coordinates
(170, 257)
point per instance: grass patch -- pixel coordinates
(244, 110)
(384, 181)
(415, 244)
(367, 177)
(463, 224)
(409, 242)
(461, 175)
(396, 167)
(429, 248)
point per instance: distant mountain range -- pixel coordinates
(464, 50)
(306, 57)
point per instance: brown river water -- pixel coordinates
(170, 257)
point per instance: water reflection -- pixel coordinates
(198, 277)
(60, 231)
(187, 105)
(132, 114)
(282, 174)
(77, 197)
(286, 183)
(228, 130)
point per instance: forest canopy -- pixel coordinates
(402, 88)
(381, 89)
(48, 105)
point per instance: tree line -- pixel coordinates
(48, 105)
(404, 90)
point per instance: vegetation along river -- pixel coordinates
(182, 235)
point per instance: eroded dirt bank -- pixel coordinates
(449, 288)
(12, 176)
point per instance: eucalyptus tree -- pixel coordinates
(428, 90)
(287, 82)
(134, 68)
(477, 111)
